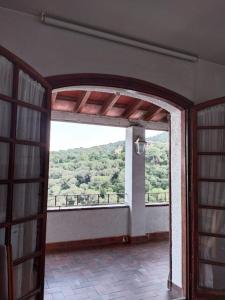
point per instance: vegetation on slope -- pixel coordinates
(101, 169)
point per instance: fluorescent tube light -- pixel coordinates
(116, 38)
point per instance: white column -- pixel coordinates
(135, 182)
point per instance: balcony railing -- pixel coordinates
(151, 198)
(79, 200)
(85, 200)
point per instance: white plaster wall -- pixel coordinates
(86, 224)
(135, 181)
(53, 51)
(156, 219)
(176, 198)
(98, 223)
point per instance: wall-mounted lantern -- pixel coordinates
(140, 145)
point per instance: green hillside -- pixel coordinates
(100, 169)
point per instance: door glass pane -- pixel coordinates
(211, 277)
(4, 160)
(24, 239)
(212, 116)
(212, 221)
(5, 118)
(30, 90)
(212, 248)
(211, 140)
(211, 167)
(26, 200)
(27, 162)
(25, 277)
(3, 202)
(6, 76)
(2, 236)
(211, 193)
(28, 124)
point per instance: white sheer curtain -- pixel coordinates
(6, 79)
(28, 124)
(212, 193)
(212, 166)
(5, 118)
(6, 76)
(2, 236)
(25, 278)
(213, 115)
(3, 201)
(26, 200)
(29, 90)
(24, 239)
(27, 162)
(4, 273)
(211, 140)
(4, 160)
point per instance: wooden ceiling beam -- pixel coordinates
(152, 113)
(163, 116)
(81, 102)
(67, 98)
(132, 109)
(54, 96)
(109, 104)
(90, 101)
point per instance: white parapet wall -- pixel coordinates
(157, 219)
(82, 224)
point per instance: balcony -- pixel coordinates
(89, 217)
(81, 225)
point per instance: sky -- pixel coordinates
(65, 135)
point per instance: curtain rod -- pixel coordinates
(56, 22)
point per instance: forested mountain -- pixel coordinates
(100, 169)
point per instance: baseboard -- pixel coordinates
(118, 240)
(149, 237)
(83, 244)
(158, 236)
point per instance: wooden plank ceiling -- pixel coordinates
(107, 104)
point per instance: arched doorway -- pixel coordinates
(178, 107)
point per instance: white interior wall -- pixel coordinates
(99, 223)
(176, 205)
(53, 51)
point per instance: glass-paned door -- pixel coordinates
(24, 150)
(208, 238)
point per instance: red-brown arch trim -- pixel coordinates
(129, 83)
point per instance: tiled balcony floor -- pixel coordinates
(118, 272)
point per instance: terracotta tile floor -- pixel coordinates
(117, 272)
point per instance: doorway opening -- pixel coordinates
(75, 105)
(82, 219)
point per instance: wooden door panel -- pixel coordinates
(24, 151)
(208, 201)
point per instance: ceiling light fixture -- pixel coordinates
(67, 25)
